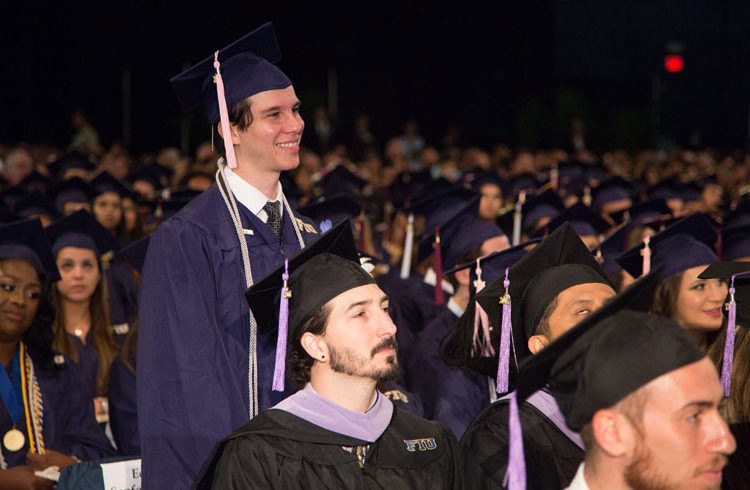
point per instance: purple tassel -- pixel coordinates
(278, 370)
(503, 362)
(515, 476)
(726, 368)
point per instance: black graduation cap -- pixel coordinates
(740, 215)
(485, 176)
(74, 189)
(341, 180)
(34, 204)
(612, 247)
(148, 174)
(35, 183)
(583, 220)
(665, 190)
(560, 261)
(317, 274)
(106, 182)
(735, 242)
(523, 182)
(334, 209)
(408, 185)
(686, 243)
(462, 234)
(691, 191)
(638, 213)
(612, 189)
(135, 253)
(81, 230)
(438, 219)
(70, 160)
(493, 265)
(545, 205)
(246, 67)
(26, 240)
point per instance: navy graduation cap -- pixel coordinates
(135, 253)
(74, 189)
(341, 180)
(584, 221)
(640, 212)
(335, 208)
(685, 244)
(246, 66)
(612, 247)
(611, 190)
(33, 205)
(69, 161)
(27, 241)
(81, 230)
(740, 215)
(106, 182)
(735, 242)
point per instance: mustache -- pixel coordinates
(717, 463)
(389, 343)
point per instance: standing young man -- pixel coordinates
(203, 370)
(339, 431)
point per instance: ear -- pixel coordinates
(315, 347)
(537, 343)
(462, 277)
(232, 129)
(612, 432)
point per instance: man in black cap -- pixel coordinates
(643, 396)
(551, 289)
(203, 369)
(338, 431)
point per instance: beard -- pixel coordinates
(346, 361)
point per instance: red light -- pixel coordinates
(674, 63)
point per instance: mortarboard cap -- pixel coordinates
(735, 242)
(640, 212)
(341, 180)
(441, 217)
(135, 252)
(27, 241)
(611, 190)
(74, 189)
(665, 190)
(685, 244)
(35, 183)
(81, 230)
(583, 220)
(69, 161)
(526, 182)
(546, 205)
(106, 182)
(33, 205)
(740, 215)
(148, 174)
(336, 208)
(246, 67)
(463, 234)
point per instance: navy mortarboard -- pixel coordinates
(735, 243)
(81, 230)
(614, 194)
(104, 182)
(584, 221)
(71, 194)
(26, 240)
(72, 164)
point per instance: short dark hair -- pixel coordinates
(299, 361)
(240, 115)
(632, 407)
(542, 326)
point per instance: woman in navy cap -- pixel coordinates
(46, 418)
(82, 327)
(680, 253)
(106, 204)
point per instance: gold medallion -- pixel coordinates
(13, 440)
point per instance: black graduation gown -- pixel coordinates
(192, 381)
(278, 450)
(552, 459)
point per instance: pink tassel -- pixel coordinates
(484, 345)
(515, 476)
(646, 253)
(503, 362)
(278, 370)
(224, 115)
(726, 367)
(439, 298)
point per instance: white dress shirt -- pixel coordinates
(251, 197)
(579, 481)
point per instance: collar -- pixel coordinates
(455, 309)
(431, 278)
(579, 481)
(369, 426)
(249, 196)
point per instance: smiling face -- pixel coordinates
(271, 142)
(360, 335)
(79, 273)
(20, 293)
(683, 442)
(699, 301)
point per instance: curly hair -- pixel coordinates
(299, 362)
(38, 337)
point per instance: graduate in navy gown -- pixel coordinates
(46, 417)
(203, 369)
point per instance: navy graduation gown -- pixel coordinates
(68, 425)
(123, 413)
(122, 291)
(192, 381)
(88, 362)
(450, 394)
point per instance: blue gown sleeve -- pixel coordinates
(123, 413)
(184, 374)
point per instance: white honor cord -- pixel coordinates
(234, 213)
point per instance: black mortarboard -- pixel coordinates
(74, 189)
(441, 217)
(317, 274)
(135, 252)
(463, 234)
(642, 211)
(341, 180)
(686, 243)
(740, 215)
(27, 241)
(583, 220)
(735, 242)
(106, 182)
(612, 247)
(35, 183)
(148, 174)
(246, 67)
(665, 190)
(612, 189)
(493, 265)
(33, 205)
(545, 205)
(560, 261)
(439, 207)
(526, 182)
(71, 160)
(332, 210)
(691, 191)
(482, 177)
(81, 230)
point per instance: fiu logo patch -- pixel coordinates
(396, 395)
(304, 226)
(427, 444)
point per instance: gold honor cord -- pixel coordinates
(36, 444)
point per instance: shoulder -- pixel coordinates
(492, 424)
(412, 430)
(305, 224)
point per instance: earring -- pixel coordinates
(322, 356)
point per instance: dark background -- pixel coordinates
(516, 72)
